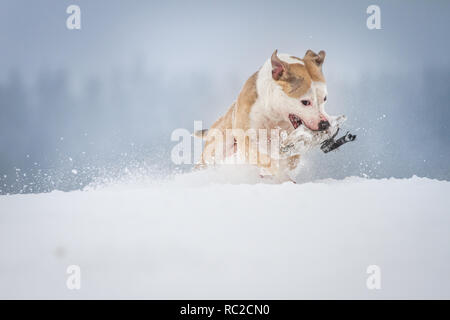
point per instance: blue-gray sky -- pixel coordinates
(139, 69)
(220, 35)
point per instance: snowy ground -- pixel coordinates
(186, 238)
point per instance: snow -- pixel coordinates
(221, 234)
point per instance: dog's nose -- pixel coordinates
(324, 125)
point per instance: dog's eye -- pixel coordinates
(306, 102)
(325, 99)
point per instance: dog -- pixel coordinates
(287, 93)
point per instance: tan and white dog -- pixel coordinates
(286, 93)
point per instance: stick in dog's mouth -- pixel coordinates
(302, 138)
(295, 120)
(331, 144)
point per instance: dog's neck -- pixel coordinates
(265, 112)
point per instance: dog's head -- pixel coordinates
(304, 90)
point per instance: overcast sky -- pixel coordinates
(220, 35)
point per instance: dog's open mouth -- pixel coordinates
(295, 120)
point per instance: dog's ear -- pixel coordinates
(320, 58)
(278, 67)
(317, 58)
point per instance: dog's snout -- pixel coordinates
(323, 125)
